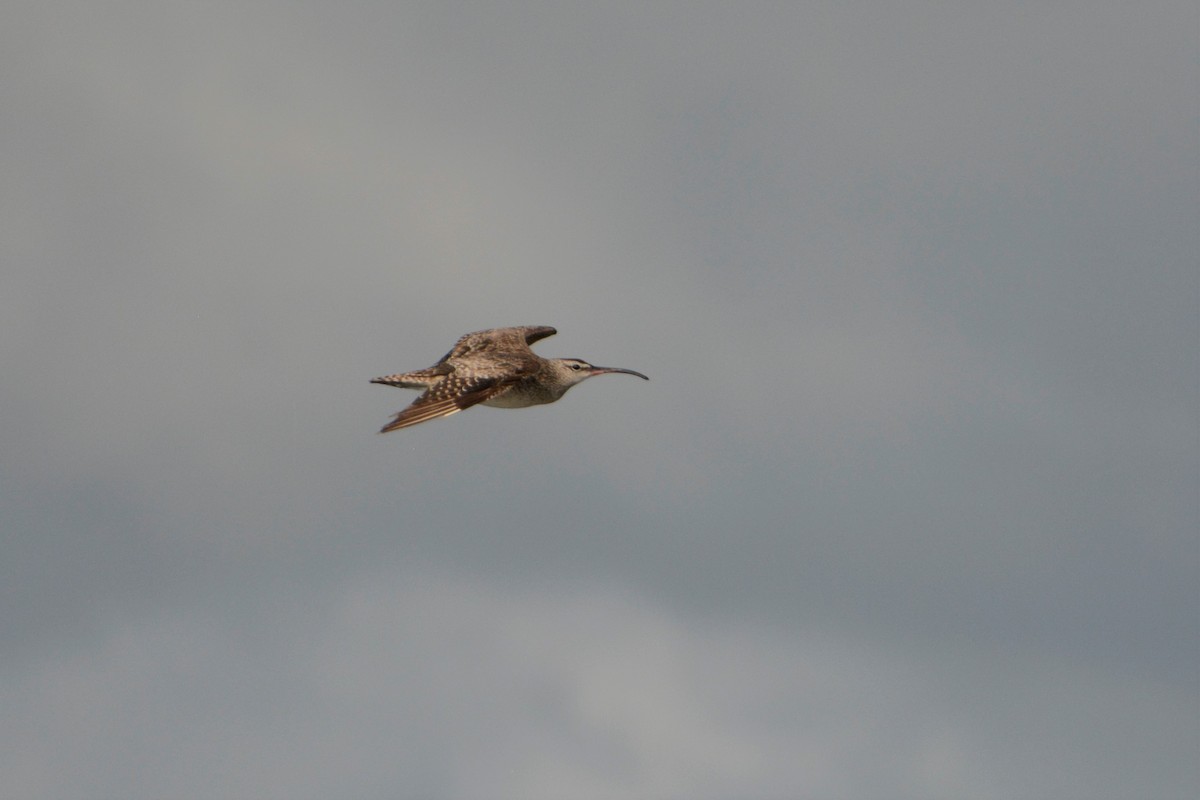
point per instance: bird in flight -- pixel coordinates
(493, 367)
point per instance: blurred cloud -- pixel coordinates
(602, 693)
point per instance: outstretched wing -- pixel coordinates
(505, 340)
(449, 396)
(534, 333)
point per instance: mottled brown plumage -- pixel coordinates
(493, 367)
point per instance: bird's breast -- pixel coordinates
(522, 395)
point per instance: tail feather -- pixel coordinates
(404, 381)
(421, 379)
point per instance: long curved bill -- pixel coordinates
(603, 370)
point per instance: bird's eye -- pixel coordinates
(576, 367)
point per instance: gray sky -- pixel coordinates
(908, 509)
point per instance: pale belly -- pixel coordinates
(516, 398)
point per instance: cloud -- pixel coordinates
(907, 506)
(422, 684)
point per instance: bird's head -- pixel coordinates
(570, 371)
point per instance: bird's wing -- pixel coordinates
(499, 340)
(534, 333)
(447, 397)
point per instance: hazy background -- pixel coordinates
(908, 509)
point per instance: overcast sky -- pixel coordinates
(909, 507)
